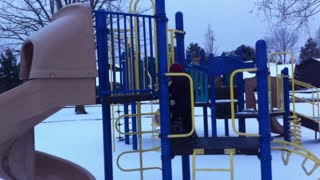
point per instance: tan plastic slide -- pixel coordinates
(58, 66)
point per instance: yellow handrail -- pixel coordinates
(192, 105)
(232, 101)
(314, 100)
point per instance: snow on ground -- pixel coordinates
(78, 138)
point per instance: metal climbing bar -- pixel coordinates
(132, 115)
(288, 148)
(140, 149)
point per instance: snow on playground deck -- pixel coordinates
(78, 138)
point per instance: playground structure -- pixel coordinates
(56, 72)
(140, 90)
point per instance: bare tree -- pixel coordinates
(209, 41)
(282, 40)
(19, 18)
(290, 12)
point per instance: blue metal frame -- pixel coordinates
(161, 20)
(180, 56)
(286, 99)
(263, 110)
(102, 47)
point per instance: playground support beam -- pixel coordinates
(180, 39)
(263, 108)
(161, 21)
(285, 73)
(102, 47)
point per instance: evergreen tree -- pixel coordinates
(193, 53)
(9, 71)
(309, 50)
(194, 50)
(248, 53)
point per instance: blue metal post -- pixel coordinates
(213, 107)
(185, 167)
(126, 124)
(180, 40)
(286, 100)
(134, 126)
(240, 84)
(205, 120)
(102, 48)
(263, 106)
(163, 89)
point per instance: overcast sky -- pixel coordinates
(231, 21)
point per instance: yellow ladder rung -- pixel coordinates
(213, 170)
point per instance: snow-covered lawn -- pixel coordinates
(78, 138)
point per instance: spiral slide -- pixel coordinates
(58, 68)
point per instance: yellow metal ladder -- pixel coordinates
(230, 152)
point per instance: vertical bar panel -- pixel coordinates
(127, 55)
(263, 109)
(133, 77)
(102, 50)
(153, 74)
(140, 67)
(146, 60)
(119, 50)
(112, 52)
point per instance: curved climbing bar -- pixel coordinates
(300, 150)
(132, 115)
(192, 104)
(136, 169)
(232, 101)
